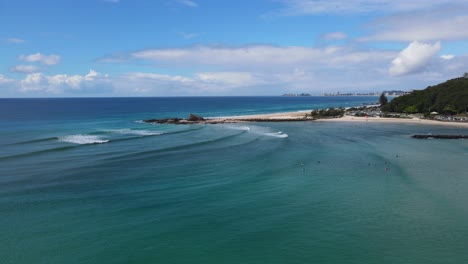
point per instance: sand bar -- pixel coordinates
(300, 116)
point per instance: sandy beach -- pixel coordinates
(301, 115)
(271, 116)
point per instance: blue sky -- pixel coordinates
(67, 48)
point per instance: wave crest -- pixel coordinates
(83, 139)
(127, 131)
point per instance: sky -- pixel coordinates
(107, 48)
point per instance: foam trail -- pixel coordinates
(267, 131)
(244, 128)
(264, 131)
(82, 139)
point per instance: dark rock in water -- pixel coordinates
(174, 120)
(440, 136)
(194, 118)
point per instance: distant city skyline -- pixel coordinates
(206, 47)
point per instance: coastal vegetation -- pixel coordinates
(383, 99)
(449, 98)
(328, 113)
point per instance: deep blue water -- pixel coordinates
(147, 107)
(82, 181)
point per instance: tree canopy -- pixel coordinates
(383, 99)
(450, 97)
(331, 112)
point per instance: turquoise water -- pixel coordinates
(300, 192)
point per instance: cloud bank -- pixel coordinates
(422, 27)
(260, 57)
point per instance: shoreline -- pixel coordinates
(300, 116)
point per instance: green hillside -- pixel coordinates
(450, 97)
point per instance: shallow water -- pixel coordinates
(107, 189)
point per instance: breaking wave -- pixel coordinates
(135, 132)
(83, 139)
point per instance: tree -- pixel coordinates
(326, 113)
(449, 110)
(383, 99)
(412, 109)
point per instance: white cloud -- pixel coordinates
(72, 81)
(15, 40)
(231, 79)
(414, 58)
(268, 70)
(361, 72)
(3, 79)
(34, 82)
(421, 20)
(157, 77)
(335, 36)
(60, 83)
(212, 82)
(188, 3)
(228, 57)
(25, 69)
(312, 7)
(447, 57)
(258, 69)
(41, 58)
(94, 74)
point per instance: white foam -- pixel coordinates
(267, 131)
(277, 134)
(127, 131)
(257, 130)
(244, 128)
(82, 139)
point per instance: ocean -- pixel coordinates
(83, 180)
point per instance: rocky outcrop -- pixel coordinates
(195, 118)
(192, 119)
(174, 120)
